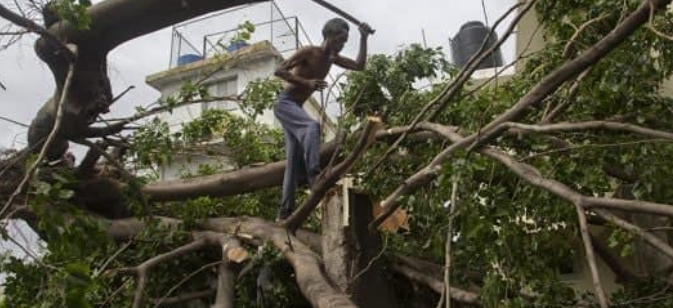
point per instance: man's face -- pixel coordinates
(338, 41)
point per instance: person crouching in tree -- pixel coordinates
(304, 72)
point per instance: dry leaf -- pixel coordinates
(398, 220)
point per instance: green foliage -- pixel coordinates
(153, 144)
(243, 32)
(260, 95)
(73, 11)
(386, 86)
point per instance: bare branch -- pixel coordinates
(434, 283)
(185, 297)
(572, 93)
(649, 238)
(12, 121)
(606, 125)
(591, 259)
(650, 26)
(141, 271)
(569, 47)
(181, 282)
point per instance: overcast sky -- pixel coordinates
(398, 22)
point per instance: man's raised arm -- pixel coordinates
(359, 63)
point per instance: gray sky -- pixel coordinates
(398, 22)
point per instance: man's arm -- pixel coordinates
(284, 70)
(359, 63)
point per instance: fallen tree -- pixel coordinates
(567, 160)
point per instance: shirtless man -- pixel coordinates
(304, 73)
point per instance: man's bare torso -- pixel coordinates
(315, 65)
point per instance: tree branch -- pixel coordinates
(141, 271)
(590, 125)
(186, 297)
(12, 121)
(591, 259)
(649, 238)
(434, 283)
(311, 279)
(536, 95)
(50, 138)
(451, 90)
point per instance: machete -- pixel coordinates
(340, 12)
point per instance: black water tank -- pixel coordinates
(467, 42)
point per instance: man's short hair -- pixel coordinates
(334, 26)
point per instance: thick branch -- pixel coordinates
(312, 281)
(244, 180)
(434, 283)
(221, 185)
(606, 125)
(146, 16)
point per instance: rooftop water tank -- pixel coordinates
(467, 42)
(236, 46)
(188, 58)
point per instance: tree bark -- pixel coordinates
(355, 259)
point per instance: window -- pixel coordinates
(224, 87)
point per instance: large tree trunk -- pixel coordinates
(352, 255)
